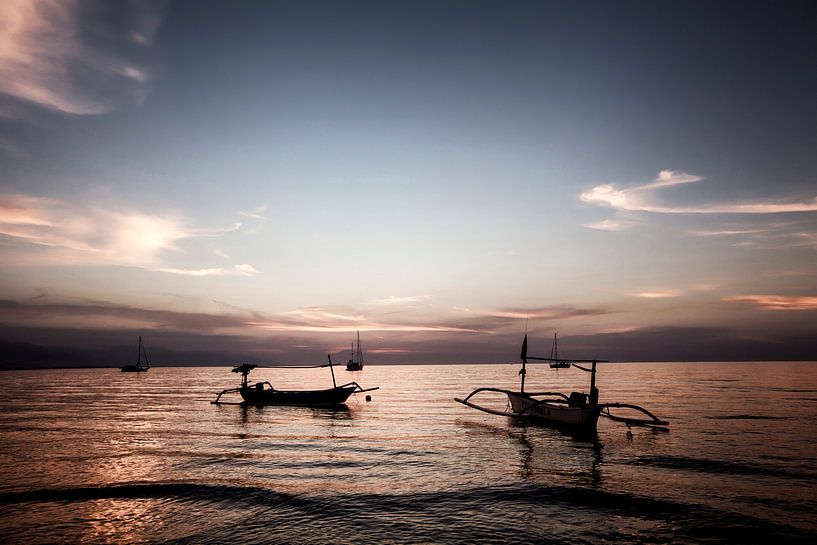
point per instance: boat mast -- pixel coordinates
(594, 392)
(359, 351)
(329, 357)
(144, 353)
(524, 357)
(139, 352)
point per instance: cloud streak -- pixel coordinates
(244, 269)
(393, 300)
(45, 45)
(642, 198)
(776, 302)
(70, 234)
(659, 294)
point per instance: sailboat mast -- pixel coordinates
(139, 352)
(524, 357)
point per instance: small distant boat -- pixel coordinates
(554, 353)
(263, 393)
(355, 363)
(579, 411)
(139, 367)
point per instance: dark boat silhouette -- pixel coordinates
(263, 393)
(356, 364)
(139, 367)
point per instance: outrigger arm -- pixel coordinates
(652, 421)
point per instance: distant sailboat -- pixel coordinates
(556, 363)
(139, 367)
(356, 364)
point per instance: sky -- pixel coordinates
(260, 180)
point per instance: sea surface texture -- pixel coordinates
(100, 456)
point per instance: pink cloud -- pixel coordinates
(776, 302)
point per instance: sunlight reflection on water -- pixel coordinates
(742, 444)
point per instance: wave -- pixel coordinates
(720, 467)
(502, 514)
(747, 417)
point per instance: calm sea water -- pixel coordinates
(99, 456)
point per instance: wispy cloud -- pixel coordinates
(555, 312)
(394, 300)
(725, 232)
(73, 234)
(659, 294)
(642, 198)
(45, 44)
(766, 236)
(607, 225)
(256, 213)
(776, 302)
(342, 319)
(244, 269)
(97, 233)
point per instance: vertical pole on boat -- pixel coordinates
(139, 352)
(332, 370)
(524, 357)
(594, 393)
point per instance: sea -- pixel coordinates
(100, 456)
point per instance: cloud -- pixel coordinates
(659, 294)
(393, 300)
(776, 302)
(725, 232)
(256, 213)
(99, 234)
(769, 236)
(237, 270)
(342, 319)
(606, 225)
(64, 55)
(73, 234)
(555, 312)
(642, 198)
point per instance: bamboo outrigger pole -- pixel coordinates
(329, 357)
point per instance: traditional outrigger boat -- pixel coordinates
(578, 411)
(263, 393)
(139, 367)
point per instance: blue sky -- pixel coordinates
(274, 176)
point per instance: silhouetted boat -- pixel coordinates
(554, 353)
(578, 411)
(356, 364)
(264, 393)
(139, 367)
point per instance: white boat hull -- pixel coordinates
(582, 418)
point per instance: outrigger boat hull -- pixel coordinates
(262, 393)
(329, 397)
(579, 418)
